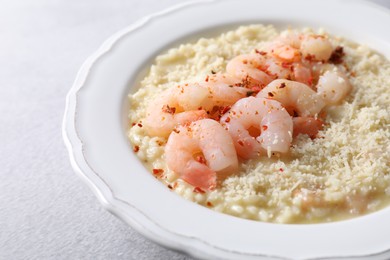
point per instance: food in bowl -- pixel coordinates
(284, 127)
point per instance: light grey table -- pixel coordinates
(46, 211)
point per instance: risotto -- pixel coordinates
(342, 173)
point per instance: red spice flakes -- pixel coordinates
(158, 173)
(260, 52)
(225, 109)
(249, 93)
(218, 111)
(265, 68)
(286, 65)
(227, 120)
(213, 72)
(281, 169)
(240, 142)
(176, 130)
(322, 115)
(170, 186)
(207, 78)
(168, 109)
(257, 89)
(198, 190)
(200, 159)
(270, 94)
(283, 85)
(245, 83)
(209, 204)
(310, 57)
(139, 125)
(347, 68)
(310, 81)
(133, 124)
(136, 148)
(265, 127)
(337, 55)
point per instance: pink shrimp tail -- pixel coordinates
(201, 176)
(307, 125)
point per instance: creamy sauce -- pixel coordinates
(342, 174)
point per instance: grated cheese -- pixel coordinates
(343, 174)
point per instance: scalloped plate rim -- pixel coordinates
(101, 189)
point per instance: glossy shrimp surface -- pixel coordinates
(249, 67)
(292, 47)
(201, 151)
(333, 86)
(316, 47)
(176, 106)
(307, 126)
(258, 126)
(296, 97)
(224, 89)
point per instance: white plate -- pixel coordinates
(95, 127)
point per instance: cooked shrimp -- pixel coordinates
(316, 47)
(333, 86)
(296, 71)
(249, 67)
(176, 106)
(278, 69)
(303, 74)
(190, 96)
(258, 126)
(224, 90)
(286, 53)
(201, 152)
(292, 47)
(294, 39)
(296, 97)
(307, 126)
(286, 47)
